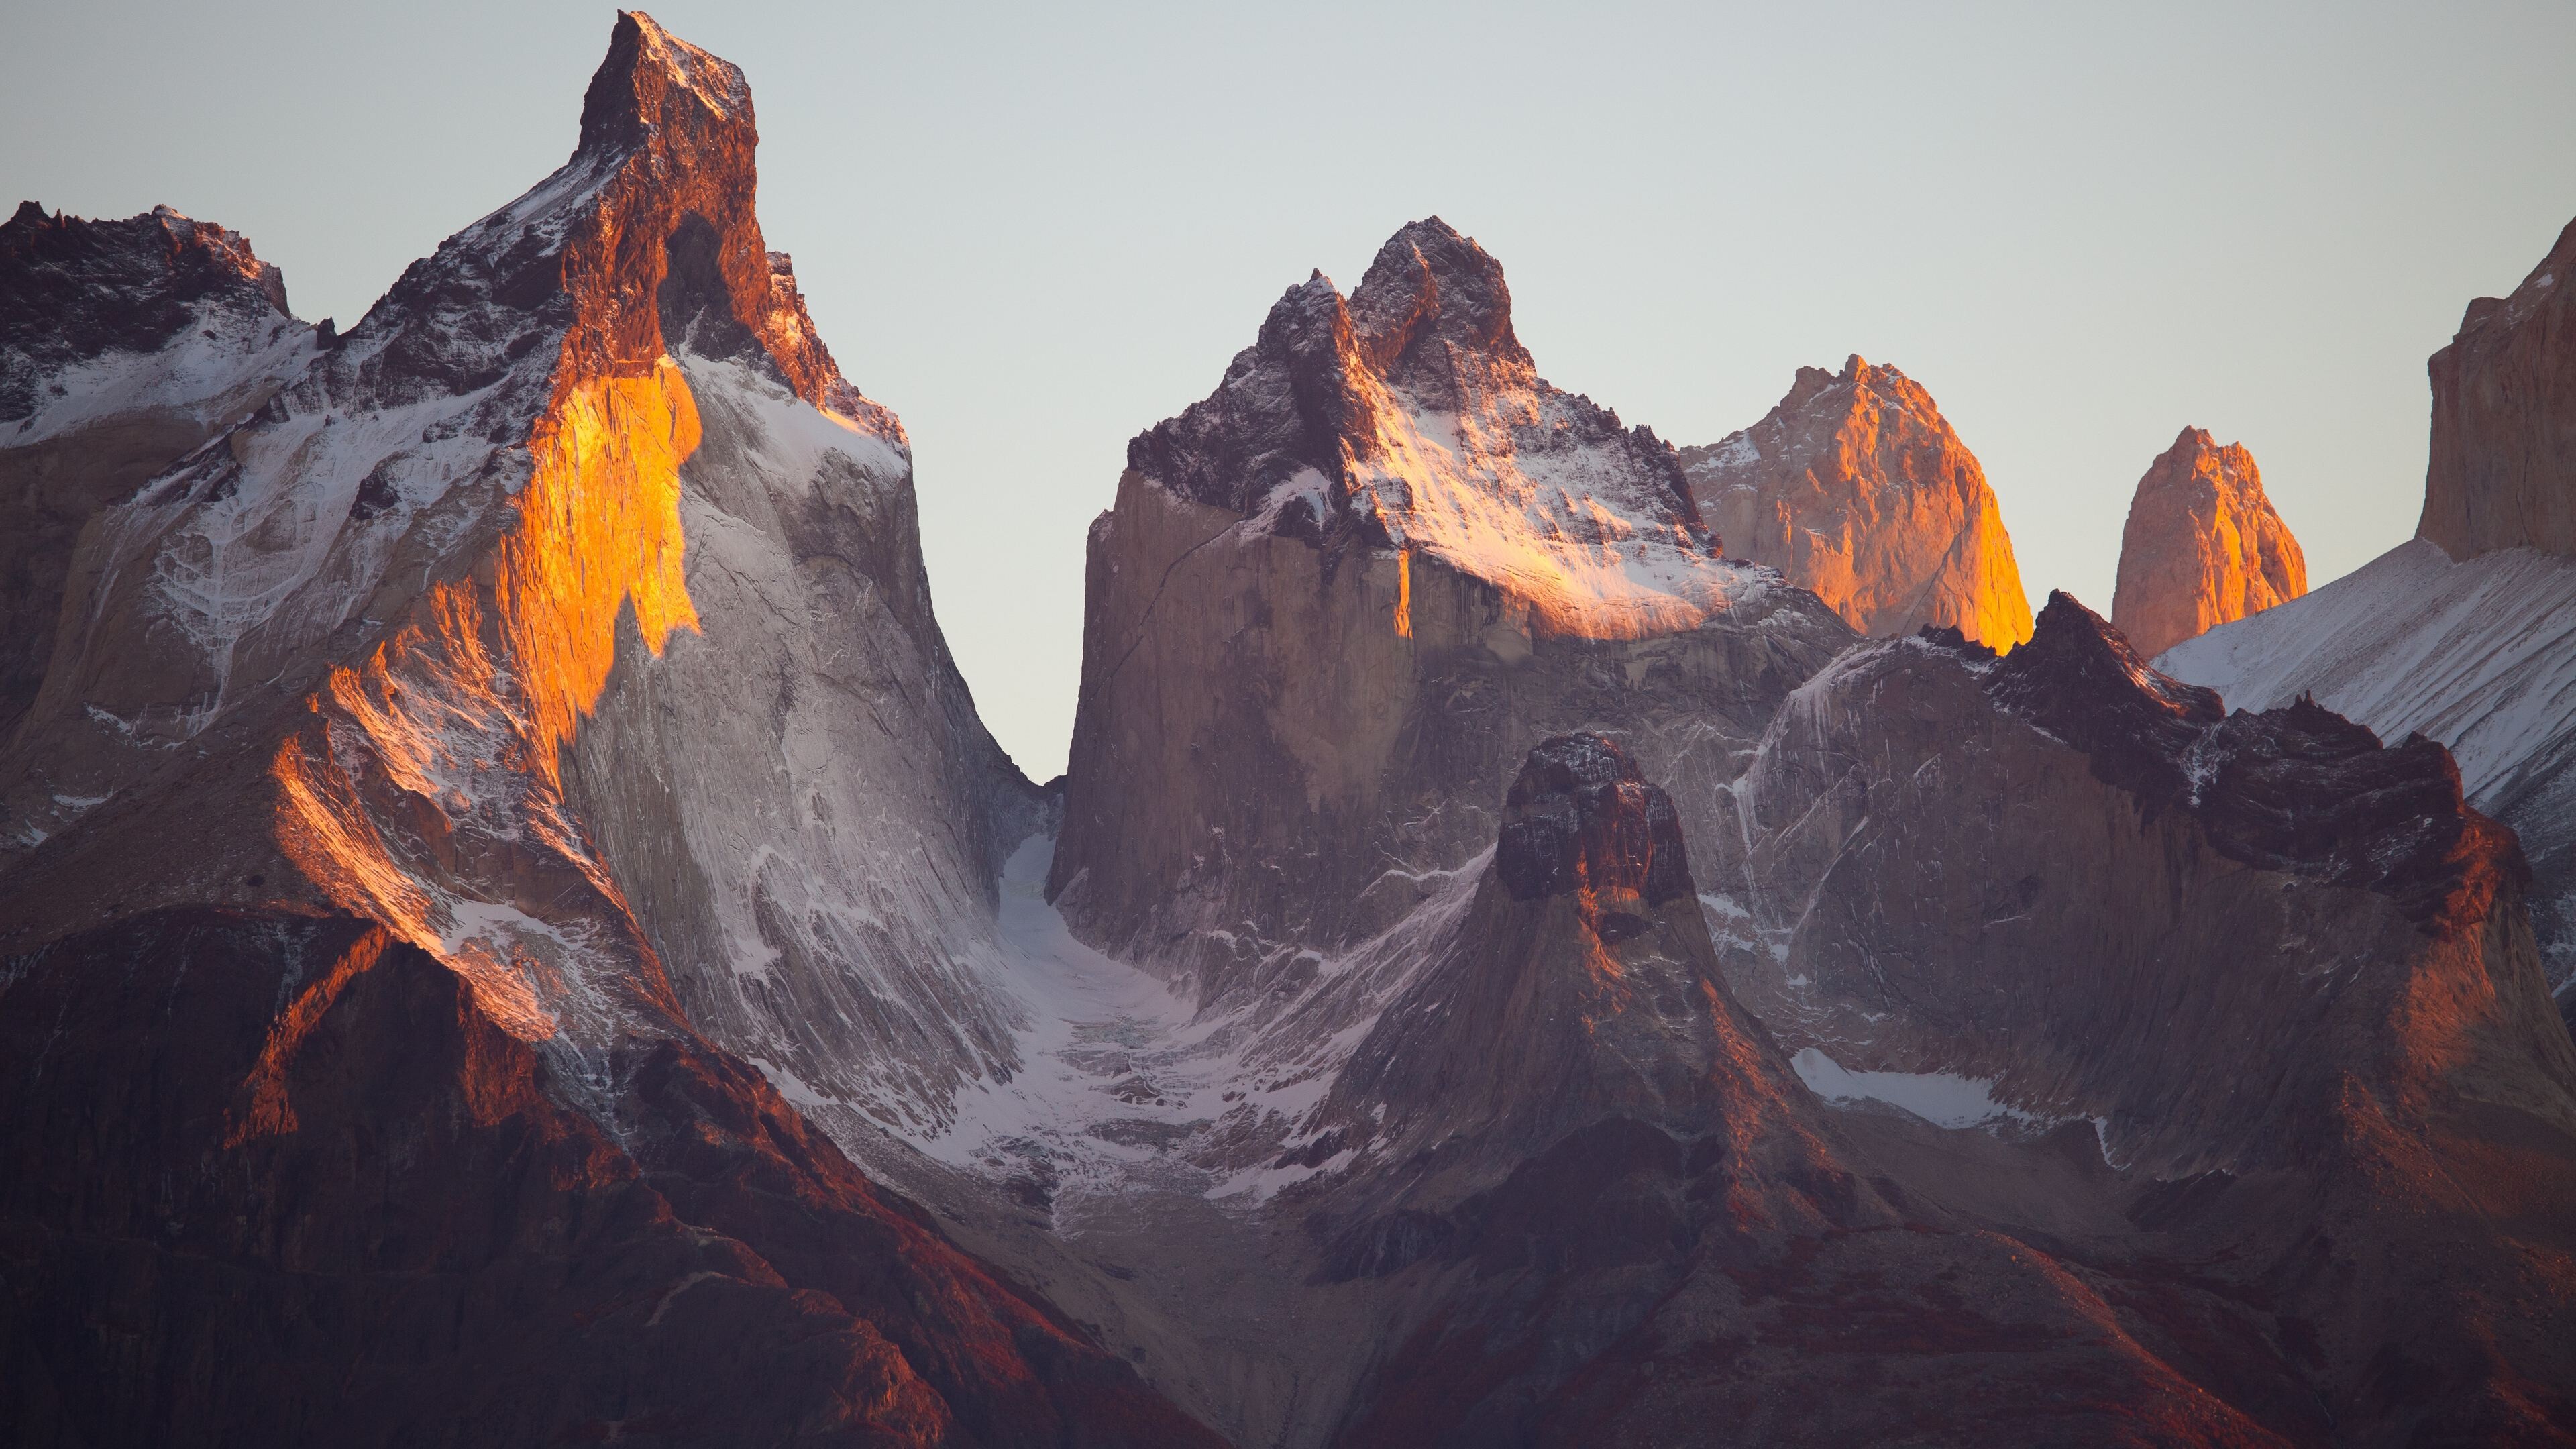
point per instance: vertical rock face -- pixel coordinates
(443, 573)
(2503, 468)
(1856, 487)
(2468, 632)
(528, 711)
(2203, 546)
(1339, 599)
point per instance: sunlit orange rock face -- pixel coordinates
(327, 957)
(1336, 602)
(2504, 395)
(1856, 487)
(2203, 546)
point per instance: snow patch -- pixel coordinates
(1944, 1099)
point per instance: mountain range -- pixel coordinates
(512, 929)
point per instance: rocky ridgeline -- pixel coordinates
(500, 872)
(397, 746)
(1388, 558)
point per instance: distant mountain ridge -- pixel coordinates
(513, 931)
(1856, 487)
(2203, 546)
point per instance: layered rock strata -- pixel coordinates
(1856, 487)
(1338, 600)
(2203, 546)
(527, 714)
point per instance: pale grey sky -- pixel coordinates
(1035, 230)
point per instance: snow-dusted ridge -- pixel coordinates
(1409, 416)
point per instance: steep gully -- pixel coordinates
(1468, 737)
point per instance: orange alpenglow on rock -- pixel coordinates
(2203, 547)
(1856, 487)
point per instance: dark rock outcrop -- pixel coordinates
(74, 290)
(1580, 818)
(2203, 546)
(280, 1179)
(2004, 869)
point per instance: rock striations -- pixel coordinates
(2503, 467)
(1339, 599)
(2203, 546)
(531, 710)
(1856, 487)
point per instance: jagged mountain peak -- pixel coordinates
(2202, 546)
(1408, 417)
(1855, 486)
(646, 242)
(2074, 651)
(73, 290)
(1851, 386)
(1431, 302)
(2297, 788)
(652, 78)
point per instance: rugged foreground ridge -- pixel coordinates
(2466, 633)
(2202, 547)
(384, 930)
(2273, 962)
(1856, 487)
